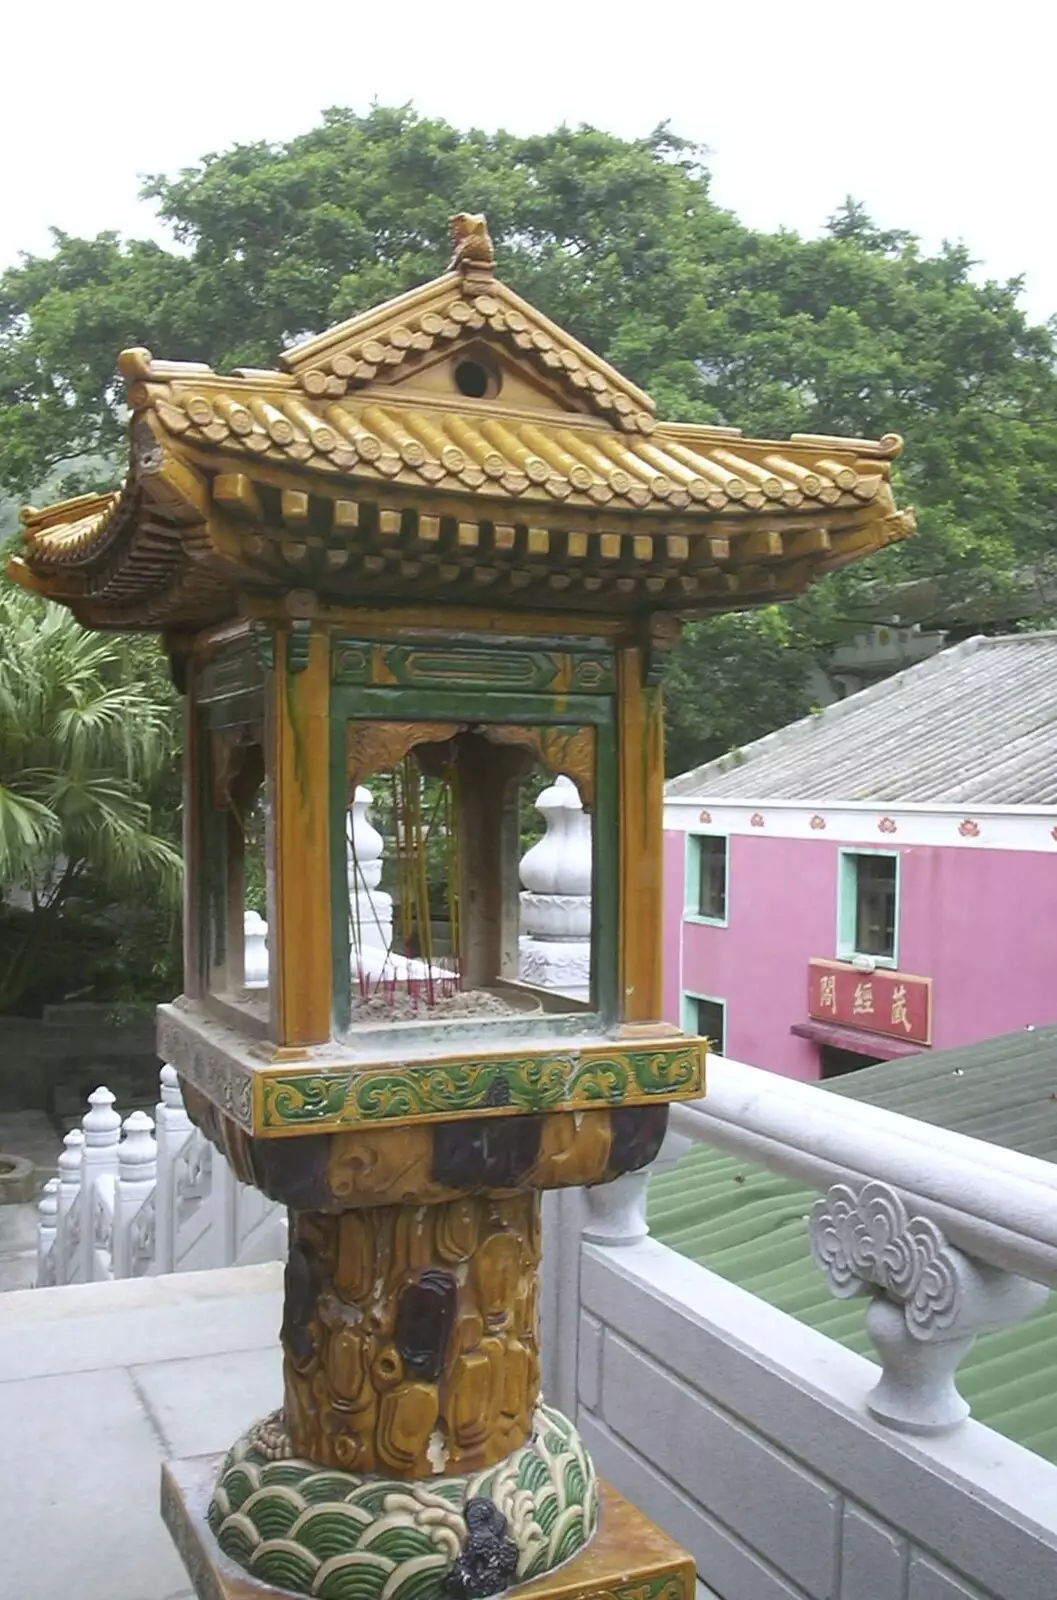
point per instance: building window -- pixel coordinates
(869, 905)
(706, 878)
(707, 1018)
(837, 1063)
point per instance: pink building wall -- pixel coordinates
(981, 923)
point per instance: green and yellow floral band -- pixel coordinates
(491, 1085)
(278, 1098)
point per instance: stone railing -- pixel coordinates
(147, 1195)
(950, 1237)
(788, 1465)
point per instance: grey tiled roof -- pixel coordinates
(975, 723)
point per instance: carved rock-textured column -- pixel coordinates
(411, 1335)
(930, 1300)
(555, 945)
(413, 1457)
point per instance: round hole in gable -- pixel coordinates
(474, 380)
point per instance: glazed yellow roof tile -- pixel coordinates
(523, 457)
(361, 469)
(390, 337)
(62, 533)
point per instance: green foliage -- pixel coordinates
(86, 754)
(856, 332)
(732, 680)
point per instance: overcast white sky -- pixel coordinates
(939, 116)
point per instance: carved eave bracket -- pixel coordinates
(373, 747)
(564, 752)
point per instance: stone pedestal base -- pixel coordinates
(630, 1558)
(365, 1536)
(563, 965)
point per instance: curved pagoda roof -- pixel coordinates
(452, 445)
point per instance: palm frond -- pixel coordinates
(29, 832)
(107, 826)
(116, 726)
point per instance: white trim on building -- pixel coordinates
(867, 822)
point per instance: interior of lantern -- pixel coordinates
(468, 881)
(472, 870)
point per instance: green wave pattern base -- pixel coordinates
(345, 1536)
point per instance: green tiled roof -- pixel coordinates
(750, 1226)
(1003, 1090)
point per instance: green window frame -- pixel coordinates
(694, 1023)
(868, 894)
(707, 897)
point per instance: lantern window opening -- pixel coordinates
(232, 909)
(449, 891)
(476, 379)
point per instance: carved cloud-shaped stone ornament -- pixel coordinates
(930, 1300)
(869, 1239)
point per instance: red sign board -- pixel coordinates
(893, 1003)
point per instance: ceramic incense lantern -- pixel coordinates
(441, 551)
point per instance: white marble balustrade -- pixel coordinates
(141, 1195)
(788, 1465)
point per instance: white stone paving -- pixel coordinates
(99, 1384)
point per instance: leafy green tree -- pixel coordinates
(86, 744)
(761, 665)
(857, 332)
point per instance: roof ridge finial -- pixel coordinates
(473, 252)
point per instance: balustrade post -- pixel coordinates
(616, 1211)
(134, 1199)
(173, 1127)
(102, 1134)
(47, 1230)
(68, 1257)
(370, 908)
(555, 944)
(930, 1300)
(223, 1228)
(255, 951)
